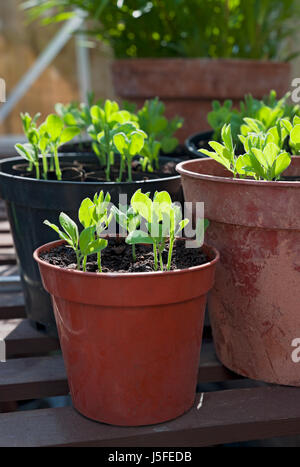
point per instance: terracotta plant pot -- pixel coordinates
(131, 342)
(254, 306)
(188, 86)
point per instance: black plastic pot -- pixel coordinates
(196, 142)
(29, 202)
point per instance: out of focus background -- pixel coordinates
(22, 41)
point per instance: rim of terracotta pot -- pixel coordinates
(183, 169)
(202, 59)
(49, 246)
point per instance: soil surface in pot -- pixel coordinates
(80, 171)
(117, 257)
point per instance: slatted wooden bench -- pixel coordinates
(7, 251)
(227, 409)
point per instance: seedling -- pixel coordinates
(266, 113)
(47, 138)
(55, 134)
(94, 215)
(84, 244)
(30, 150)
(129, 220)
(128, 145)
(263, 158)
(163, 220)
(160, 132)
(106, 122)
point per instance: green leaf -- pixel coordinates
(281, 164)
(142, 205)
(137, 237)
(86, 212)
(295, 137)
(86, 237)
(136, 143)
(69, 227)
(26, 151)
(96, 246)
(68, 134)
(61, 234)
(121, 142)
(54, 126)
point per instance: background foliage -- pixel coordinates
(252, 29)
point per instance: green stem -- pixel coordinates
(129, 168)
(99, 261)
(37, 170)
(121, 169)
(57, 166)
(45, 167)
(84, 263)
(161, 261)
(171, 245)
(155, 256)
(133, 253)
(78, 259)
(107, 143)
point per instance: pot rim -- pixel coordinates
(205, 60)
(105, 183)
(126, 275)
(183, 171)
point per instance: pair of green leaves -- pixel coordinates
(263, 158)
(163, 220)
(83, 244)
(94, 217)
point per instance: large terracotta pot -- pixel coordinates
(254, 306)
(131, 342)
(188, 86)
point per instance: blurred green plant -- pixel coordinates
(252, 29)
(266, 112)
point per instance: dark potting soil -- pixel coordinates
(81, 171)
(117, 257)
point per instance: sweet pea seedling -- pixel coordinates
(84, 244)
(55, 134)
(160, 132)
(94, 215)
(106, 122)
(128, 219)
(263, 158)
(30, 150)
(128, 145)
(163, 220)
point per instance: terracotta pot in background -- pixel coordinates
(131, 342)
(254, 306)
(188, 86)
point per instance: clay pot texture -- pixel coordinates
(131, 342)
(254, 306)
(188, 86)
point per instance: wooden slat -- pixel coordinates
(12, 306)
(225, 416)
(32, 378)
(22, 339)
(4, 227)
(6, 240)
